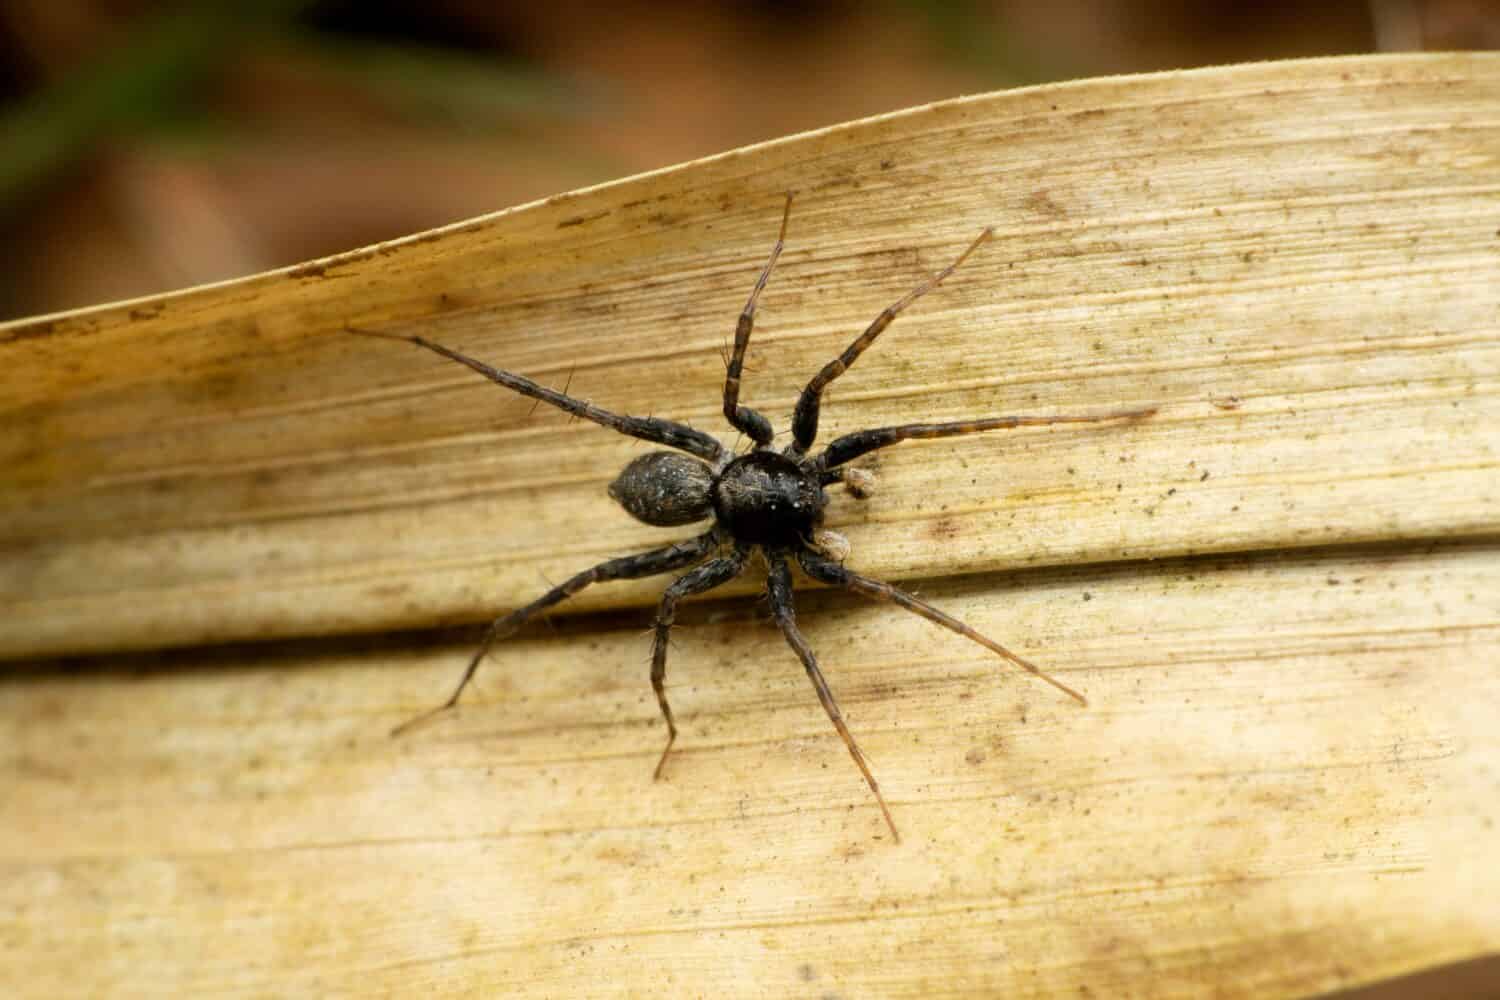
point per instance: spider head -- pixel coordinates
(664, 488)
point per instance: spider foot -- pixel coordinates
(662, 763)
(420, 720)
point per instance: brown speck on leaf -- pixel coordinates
(1041, 202)
(944, 528)
(578, 220)
(29, 331)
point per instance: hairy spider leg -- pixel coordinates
(805, 416)
(851, 446)
(827, 571)
(742, 418)
(669, 557)
(657, 429)
(706, 577)
(779, 591)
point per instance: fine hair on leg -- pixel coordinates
(828, 571)
(650, 563)
(655, 429)
(851, 446)
(779, 591)
(706, 577)
(749, 422)
(805, 416)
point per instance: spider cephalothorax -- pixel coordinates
(768, 499)
(763, 499)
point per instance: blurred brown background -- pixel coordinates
(148, 146)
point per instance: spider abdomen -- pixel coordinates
(664, 488)
(764, 498)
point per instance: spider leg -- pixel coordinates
(779, 590)
(805, 418)
(660, 560)
(667, 432)
(706, 577)
(851, 446)
(742, 418)
(827, 571)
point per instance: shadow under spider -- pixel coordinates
(763, 499)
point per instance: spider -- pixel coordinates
(763, 499)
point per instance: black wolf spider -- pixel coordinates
(766, 499)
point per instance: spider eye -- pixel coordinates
(664, 488)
